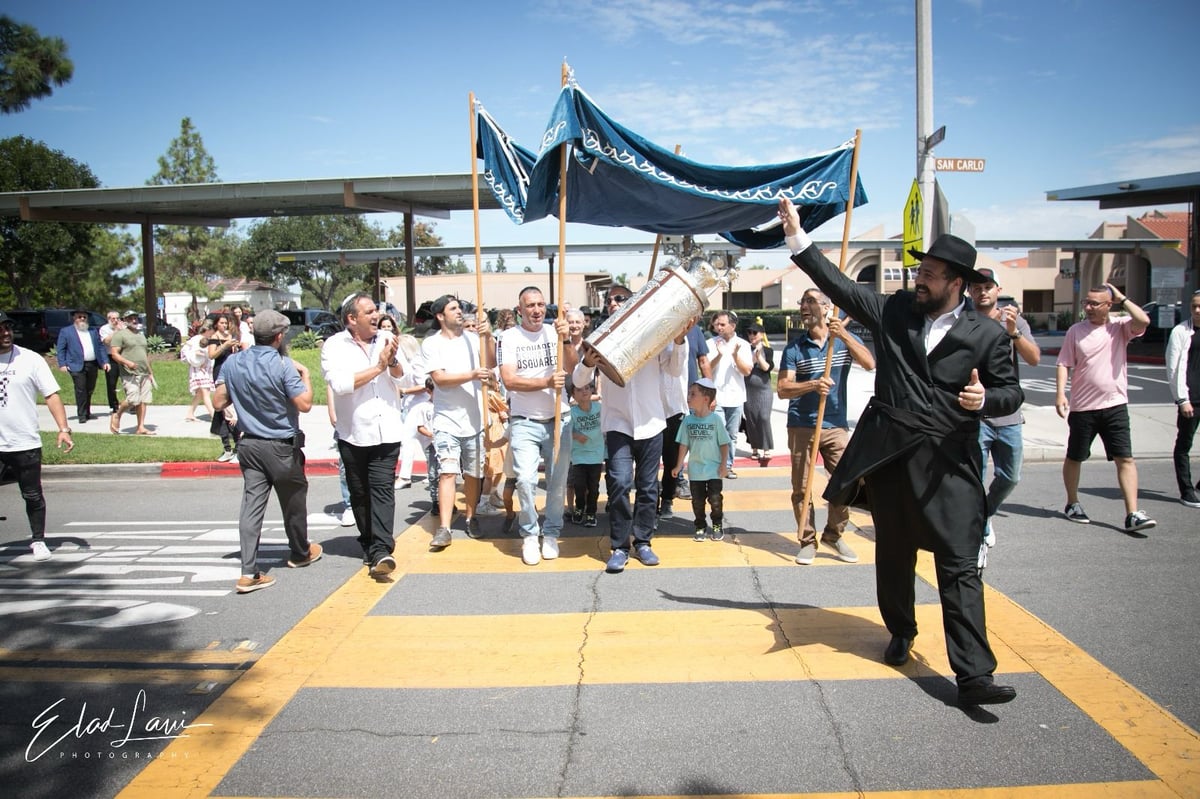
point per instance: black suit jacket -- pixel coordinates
(914, 423)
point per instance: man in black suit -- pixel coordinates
(941, 366)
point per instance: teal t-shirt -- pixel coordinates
(704, 437)
(587, 423)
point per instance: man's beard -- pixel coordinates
(930, 304)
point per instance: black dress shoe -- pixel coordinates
(990, 694)
(896, 653)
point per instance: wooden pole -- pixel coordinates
(658, 239)
(564, 154)
(483, 349)
(816, 442)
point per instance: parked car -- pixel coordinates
(168, 333)
(313, 320)
(38, 329)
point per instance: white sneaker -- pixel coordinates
(549, 548)
(42, 552)
(403, 483)
(348, 517)
(531, 553)
(225, 457)
(989, 535)
(485, 508)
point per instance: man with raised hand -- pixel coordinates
(1093, 355)
(940, 367)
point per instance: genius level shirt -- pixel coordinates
(587, 423)
(703, 436)
(535, 354)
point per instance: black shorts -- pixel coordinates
(1111, 424)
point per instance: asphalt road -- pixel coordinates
(726, 670)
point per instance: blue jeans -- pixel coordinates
(733, 420)
(632, 464)
(532, 442)
(1007, 449)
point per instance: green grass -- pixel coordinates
(105, 448)
(171, 374)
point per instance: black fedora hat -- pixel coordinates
(959, 255)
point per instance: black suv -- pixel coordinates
(314, 320)
(168, 333)
(38, 330)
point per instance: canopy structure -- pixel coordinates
(617, 178)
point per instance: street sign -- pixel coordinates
(914, 224)
(959, 164)
(935, 138)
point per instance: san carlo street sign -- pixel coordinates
(959, 164)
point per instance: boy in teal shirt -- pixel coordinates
(703, 435)
(587, 453)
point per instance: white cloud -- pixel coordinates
(1169, 154)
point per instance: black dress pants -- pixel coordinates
(371, 480)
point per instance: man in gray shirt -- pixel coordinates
(1001, 435)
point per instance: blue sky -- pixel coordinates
(1053, 93)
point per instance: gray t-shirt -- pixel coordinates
(1017, 417)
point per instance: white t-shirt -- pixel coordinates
(535, 354)
(23, 375)
(730, 383)
(455, 408)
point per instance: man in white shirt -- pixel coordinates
(729, 359)
(362, 368)
(632, 418)
(528, 358)
(452, 358)
(24, 375)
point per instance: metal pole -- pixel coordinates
(925, 112)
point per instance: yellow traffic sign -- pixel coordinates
(914, 224)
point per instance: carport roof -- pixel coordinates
(1169, 189)
(214, 204)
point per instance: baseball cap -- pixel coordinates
(5, 319)
(706, 382)
(128, 314)
(989, 275)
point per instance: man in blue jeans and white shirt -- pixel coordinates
(528, 358)
(1001, 435)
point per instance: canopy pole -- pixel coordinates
(483, 350)
(816, 442)
(658, 239)
(564, 154)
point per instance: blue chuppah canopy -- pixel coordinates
(619, 179)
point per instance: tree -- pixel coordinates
(56, 263)
(190, 258)
(29, 64)
(423, 236)
(324, 283)
(500, 265)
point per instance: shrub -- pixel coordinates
(305, 340)
(156, 345)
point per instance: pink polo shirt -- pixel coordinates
(1096, 356)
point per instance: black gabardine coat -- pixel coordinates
(918, 452)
